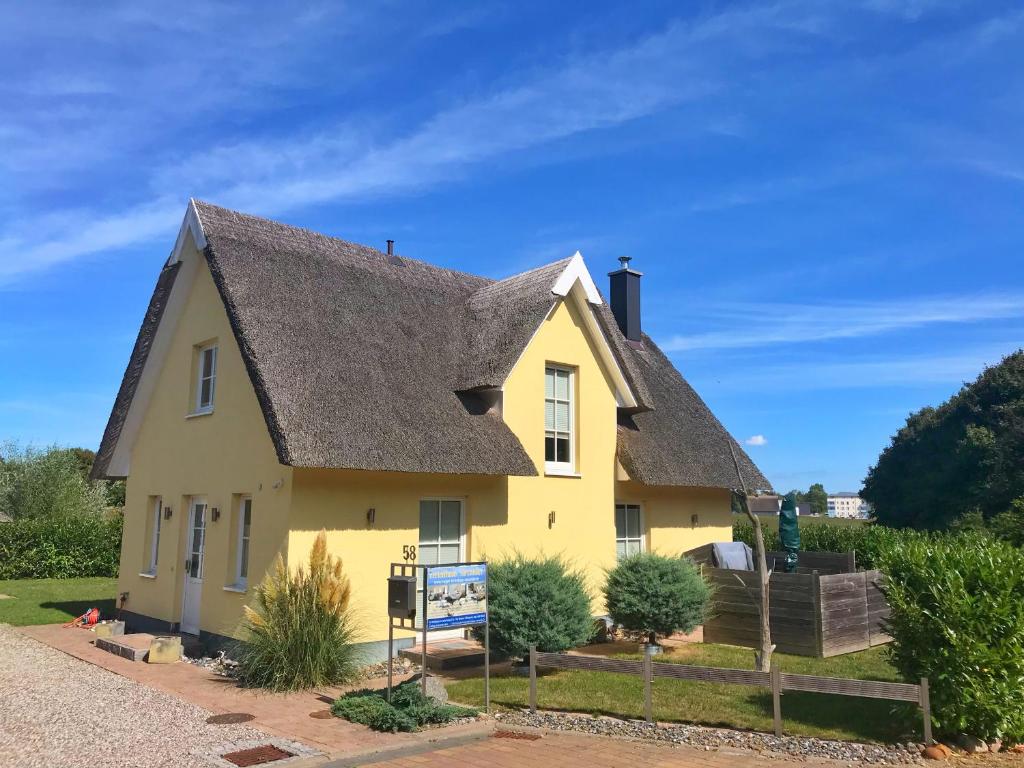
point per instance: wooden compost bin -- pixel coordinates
(826, 608)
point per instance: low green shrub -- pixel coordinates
(300, 634)
(957, 618)
(656, 595)
(537, 601)
(61, 547)
(408, 710)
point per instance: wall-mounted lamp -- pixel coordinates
(215, 514)
(693, 520)
(371, 516)
(278, 483)
(167, 513)
(551, 519)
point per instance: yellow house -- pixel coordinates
(285, 382)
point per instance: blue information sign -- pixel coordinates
(456, 595)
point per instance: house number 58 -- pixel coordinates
(409, 552)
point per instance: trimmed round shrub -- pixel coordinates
(299, 632)
(538, 601)
(656, 595)
(957, 618)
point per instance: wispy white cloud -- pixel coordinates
(756, 440)
(781, 323)
(889, 372)
(582, 92)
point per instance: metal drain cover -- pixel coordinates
(230, 718)
(265, 753)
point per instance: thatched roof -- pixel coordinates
(362, 360)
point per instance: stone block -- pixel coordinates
(109, 629)
(164, 650)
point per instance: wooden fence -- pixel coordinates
(775, 680)
(812, 612)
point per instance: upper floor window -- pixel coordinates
(558, 419)
(206, 381)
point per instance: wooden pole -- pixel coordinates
(764, 654)
(423, 673)
(926, 711)
(533, 678)
(648, 672)
(391, 653)
(776, 680)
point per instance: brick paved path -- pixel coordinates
(565, 750)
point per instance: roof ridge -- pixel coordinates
(294, 230)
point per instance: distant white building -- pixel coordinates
(846, 504)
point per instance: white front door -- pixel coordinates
(195, 545)
(442, 540)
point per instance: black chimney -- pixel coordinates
(625, 290)
(391, 247)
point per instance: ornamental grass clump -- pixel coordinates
(539, 601)
(957, 618)
(299, 631)
(656, 595)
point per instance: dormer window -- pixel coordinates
(559, 427)
(206, 371)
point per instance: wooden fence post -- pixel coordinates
(775, 675)
(926, 711)
(533, 678)
(816, 609)
(648, 672)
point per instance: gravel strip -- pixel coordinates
(720, 738)
(56, 710)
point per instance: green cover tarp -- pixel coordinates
(789, 533)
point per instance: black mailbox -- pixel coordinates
(401, 597)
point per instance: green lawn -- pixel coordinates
(54, 601)
(807, 714)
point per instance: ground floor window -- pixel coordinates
(629, 530)
(441, 535)
(244, 527)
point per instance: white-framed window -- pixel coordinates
(244, 529)
(629, 530)
(157, 514)
(442, 537)
(206, 378)
(559, 427)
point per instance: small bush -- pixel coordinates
(536, 601)
(299, 635)
(409, 709)
(957, 618)
(63, 547)
(656, 595)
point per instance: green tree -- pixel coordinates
(817, 497)
(1009, 524)
(966, 454)
(50, 483)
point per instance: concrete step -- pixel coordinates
(447, 654)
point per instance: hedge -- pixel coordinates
(60, 547)
(868, 541)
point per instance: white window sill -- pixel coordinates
(554, 470)
(148, 574)
(196, 414)
(238, 588)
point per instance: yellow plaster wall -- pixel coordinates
(584, 527)
(219, 455)
(338, 500)
(667, 515)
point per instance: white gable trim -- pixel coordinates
(575, 284)
(191, 232)
(576, 272)
(189, 225)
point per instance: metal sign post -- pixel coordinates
(458, 592)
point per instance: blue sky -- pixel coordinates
(825, 198)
